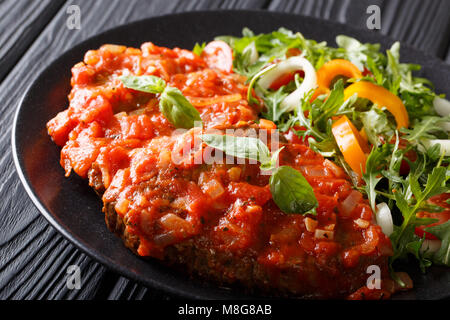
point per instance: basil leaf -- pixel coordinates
(173, 105)
(198, 48)
(291, 191)
(177, 109)
(150, 84)
(240, 147)
(272, 164)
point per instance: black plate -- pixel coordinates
(73, 208)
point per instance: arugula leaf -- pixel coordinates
(376, 125)
(272, 102)
(307, 121)
(272, 46)
(172, 104)
(357, 52)
(318, 121)
(393, 68)
(442, 231)
(409, 201)
(414, 247)
(415, 92)
(327, 147)
(377, 71)
(393, 172)
(387, 71)
(426, 128)
(409, 242)
(291, 191)
(268, 47)
(331, 105)
(376, 161)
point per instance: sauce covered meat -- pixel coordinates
(216, 219)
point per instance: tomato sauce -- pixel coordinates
(440, 217)
(118, 139)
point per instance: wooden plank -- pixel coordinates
(33, 256)
(21, 22)
(423, 24)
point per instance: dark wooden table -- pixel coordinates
(33, 256)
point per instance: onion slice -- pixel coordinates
(445, 126)
(431, 246)
(445, 144)
(442, 106)
(290, 65)
(384, 218)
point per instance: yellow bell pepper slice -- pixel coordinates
(382, 97)
(351, 144)
(334, 68)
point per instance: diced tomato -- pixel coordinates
(82, 74)
(367, 72)
(292, 52)
(247, 192)
(139, 127)
(420, 232)
(110, 160)
(442, 217)
(59, 127)
(285, 79)
(218, 55)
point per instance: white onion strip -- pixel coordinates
(430, 246)
(442, 106)
(290, 65)
(384, 218)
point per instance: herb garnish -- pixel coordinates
(172, 103)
